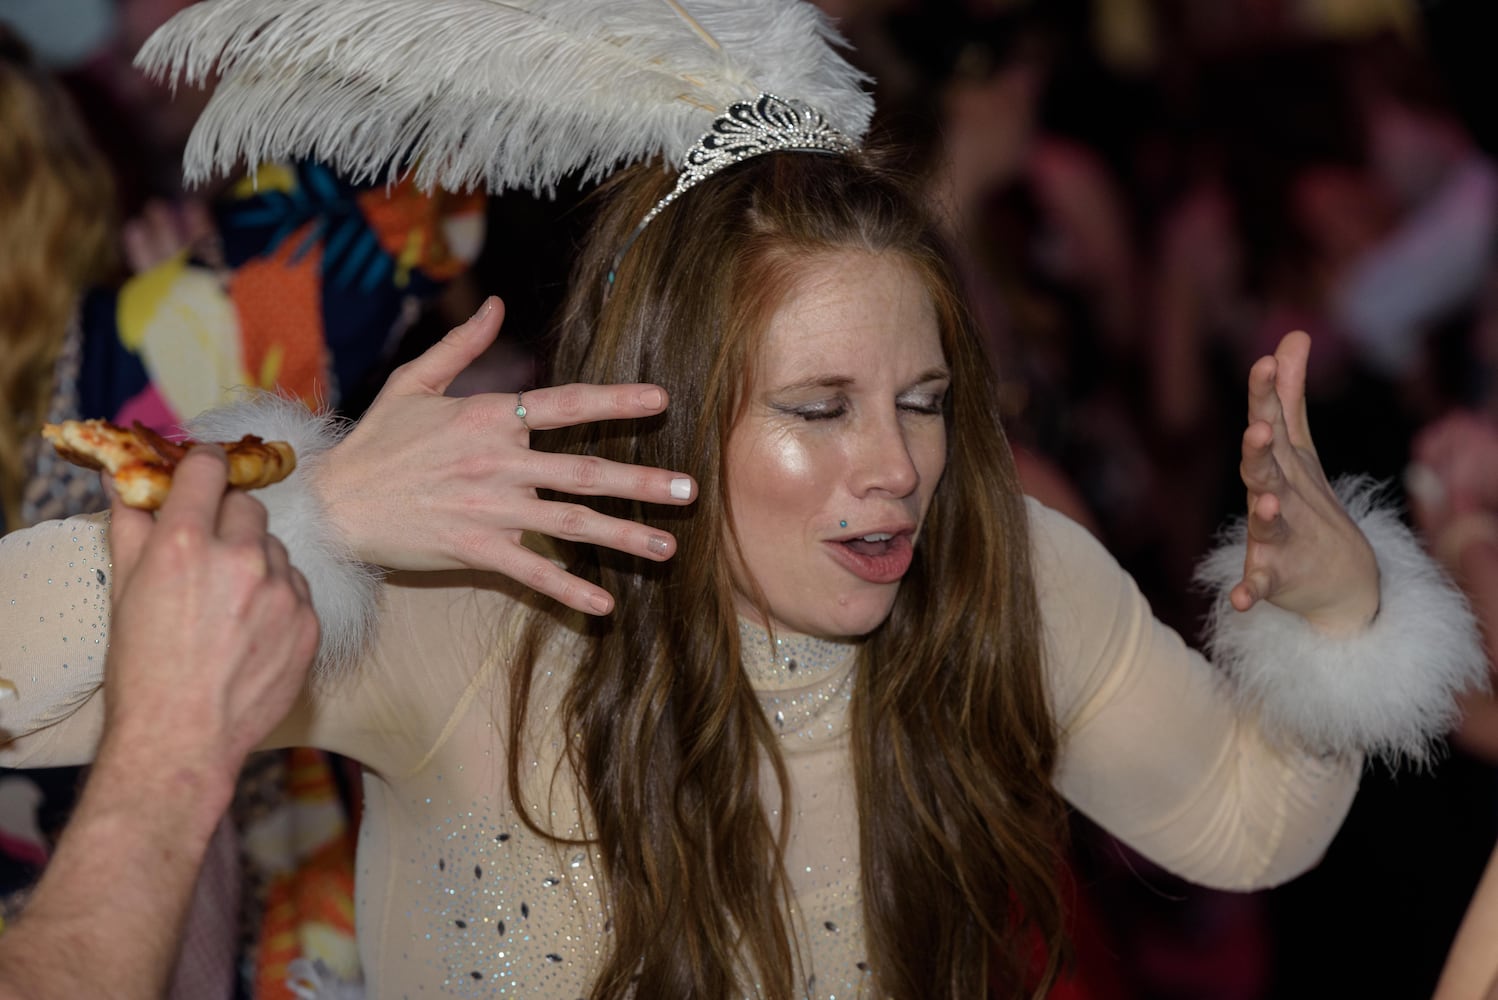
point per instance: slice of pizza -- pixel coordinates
(141, 462)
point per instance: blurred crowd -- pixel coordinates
(1139, 197)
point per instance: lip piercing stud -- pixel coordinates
(842, 524)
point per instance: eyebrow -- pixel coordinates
(843, 381)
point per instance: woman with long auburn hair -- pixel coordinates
(938, 676)
(809, 736)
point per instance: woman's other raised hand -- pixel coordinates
(1305, 554)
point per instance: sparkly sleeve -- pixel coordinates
(435, 634)
(1155, 748)
(54, 625)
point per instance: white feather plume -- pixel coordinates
(503, 93)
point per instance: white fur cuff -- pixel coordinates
(344, 591)
(1389, 691)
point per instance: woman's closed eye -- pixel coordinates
(929, 402)
(822, 409)
(922, 402)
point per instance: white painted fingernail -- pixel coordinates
(681, 489)
(658, 544)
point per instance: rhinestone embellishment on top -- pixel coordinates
(767, 124)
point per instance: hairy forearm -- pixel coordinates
(106, 917)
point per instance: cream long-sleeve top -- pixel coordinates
(456, 896)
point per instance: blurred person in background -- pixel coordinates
(1454, 483)
(58, 237)
(299, 283)
(1425, 275)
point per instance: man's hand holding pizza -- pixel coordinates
(213, 628)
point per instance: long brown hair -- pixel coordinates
(952, 743)
(57, 235)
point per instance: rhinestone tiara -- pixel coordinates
(767, 124)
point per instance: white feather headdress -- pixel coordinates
(500, 93)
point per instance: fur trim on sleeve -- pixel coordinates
(345, 591)
(1389, 691)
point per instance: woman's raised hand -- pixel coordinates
(1305, 554)
(426, 482)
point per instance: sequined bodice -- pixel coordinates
(803, 683)
(472, 903)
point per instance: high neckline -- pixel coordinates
(790, 660)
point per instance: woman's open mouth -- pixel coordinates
(878, 557)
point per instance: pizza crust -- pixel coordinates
(142, 462)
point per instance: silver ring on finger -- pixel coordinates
(520, 410)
